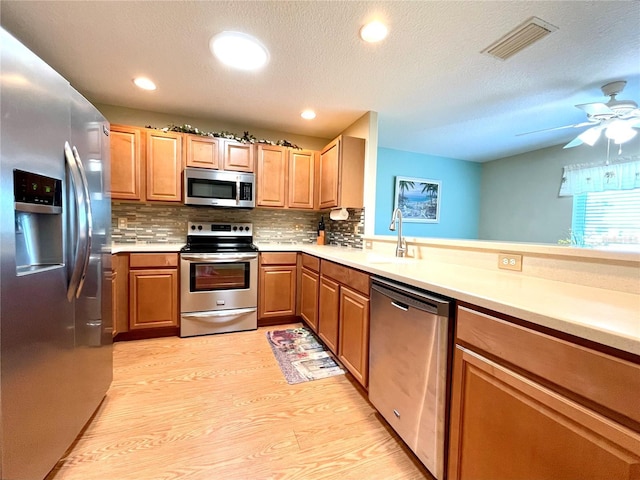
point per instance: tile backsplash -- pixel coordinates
(162, 223)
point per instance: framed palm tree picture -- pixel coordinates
(418, 199)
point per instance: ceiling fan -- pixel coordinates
(616, 118)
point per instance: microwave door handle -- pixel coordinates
(237, 190)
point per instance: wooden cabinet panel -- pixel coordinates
(278, 258)
(277, 291)
(309, 285)
(164, 166)
(153, 298)
(301, 179)
(120, 293)
(354, 333)
(347, 276)
(311, 262)
(126, 162)
(329, 170)
(202, 152)
(151, 260)
(238, 156)
(328, 313)
(611, 382)
(504, 425)
(272, 176)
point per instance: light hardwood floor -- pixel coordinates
(218, 407)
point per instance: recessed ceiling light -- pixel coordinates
(144, 83)
(308, 114)
(373, 31)
(239, 50)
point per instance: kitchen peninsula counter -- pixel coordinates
(608, 317)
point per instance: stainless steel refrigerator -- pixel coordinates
(55, 263)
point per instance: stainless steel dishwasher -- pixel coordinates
(408, 359)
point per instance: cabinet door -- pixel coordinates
(153, 297)
(354, 333)
(201, 152)
(302, 164)
(504, 425)
(309, 297)
(328, 310)
(126, 163)
(329, 181)
(277, 291)
(164, 166)
(238, 156)
(272, 169)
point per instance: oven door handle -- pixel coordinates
(217, 257)
(221, 316)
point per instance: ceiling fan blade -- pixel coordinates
(596, 109)
(574, 143)
(590, 136)
(577, 125)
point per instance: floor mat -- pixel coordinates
(301, 355)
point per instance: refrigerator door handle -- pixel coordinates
(89, 220)
(81, 220)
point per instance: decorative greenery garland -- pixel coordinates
(246, 138)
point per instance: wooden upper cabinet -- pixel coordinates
(202, 152)
(238, 156)
(126, 163)
(164, 166)
(272, 170)
(341, 172)
(302, 164)
(329, 173)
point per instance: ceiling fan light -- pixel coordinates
(620, 132)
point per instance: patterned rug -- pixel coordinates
(301, 356)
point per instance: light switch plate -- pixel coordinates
(510, 261)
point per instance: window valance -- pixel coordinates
(623, 174)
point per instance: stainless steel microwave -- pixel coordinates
(217, 188)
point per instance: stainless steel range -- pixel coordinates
(219, 279)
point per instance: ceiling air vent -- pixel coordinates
(520, 38)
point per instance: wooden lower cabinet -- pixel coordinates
(343, 316)
(329, 313)
(309, 284)
(277, 285)
(120, 293)
(353, 349)
(153, 290)
(506, 424)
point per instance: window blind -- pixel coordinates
(606, 218)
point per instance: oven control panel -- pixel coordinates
(220, 229)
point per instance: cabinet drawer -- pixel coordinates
(347, 276)
(606, 380)
(278, 258)
(151, 260)
(311, 262)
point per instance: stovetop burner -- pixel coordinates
(219, 238)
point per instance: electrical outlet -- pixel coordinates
(510, 261)
(122, 223)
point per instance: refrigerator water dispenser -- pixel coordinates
(38, 222)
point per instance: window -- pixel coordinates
(608, 219)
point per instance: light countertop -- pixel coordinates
(608, 317)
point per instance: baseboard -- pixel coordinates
(147, 333)
(268, 322)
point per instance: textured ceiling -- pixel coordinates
(434, 91)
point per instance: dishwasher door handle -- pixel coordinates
(404, 308)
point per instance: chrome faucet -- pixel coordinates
(401, 247)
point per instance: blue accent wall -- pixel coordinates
(460, 193)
